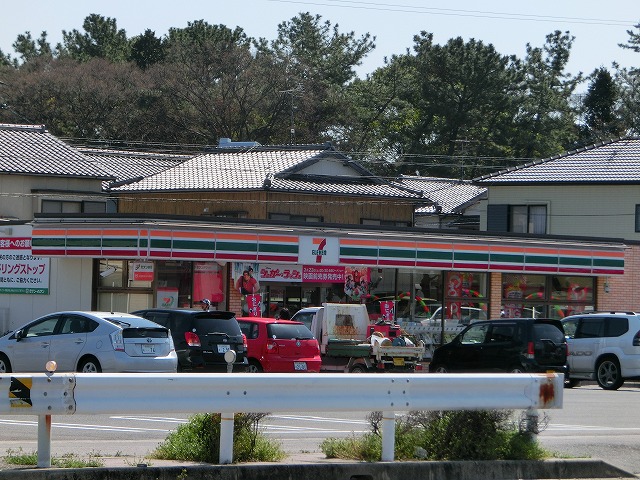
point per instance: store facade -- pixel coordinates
(153, 262)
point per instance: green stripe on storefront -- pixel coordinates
(195, 245)
(157, 243)
(435, 255)
(236, 247)
(608, 262)
(358, 252)
(506, 258)
(471, 257)
(119, 242)
(84, 242)
(394, 253)
(541, 259)
(278, 248)
(579, 261)
(48, 242)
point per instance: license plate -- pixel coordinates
(148, 349)
(299, 365)
(224, 348)
(398, 361)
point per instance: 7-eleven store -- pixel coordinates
(132, 263)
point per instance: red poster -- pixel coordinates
(207, 282)
(387, 311)
(253, 304)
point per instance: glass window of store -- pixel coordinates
(553, 296)
(123, 285)
(419, 295)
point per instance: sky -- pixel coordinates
(598, 26)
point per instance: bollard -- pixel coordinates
(230, 358)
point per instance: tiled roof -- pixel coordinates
(272, 168)
(449, 195)
(31, 150)
(125, 165)
(616, 161)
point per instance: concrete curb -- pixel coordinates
(462, 470)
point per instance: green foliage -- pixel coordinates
(68, 460)
(456, 435)
(199, 440)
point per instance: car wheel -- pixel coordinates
(608, 374)
(254, 367)
(440, 368)
(358, 368)
(89, 365)
(5, 365)
(516, 369)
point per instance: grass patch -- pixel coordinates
(68, 460)
(199, 440)
(451, 435)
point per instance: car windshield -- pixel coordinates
(289, 331)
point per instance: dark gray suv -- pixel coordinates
(202, 338)
(518, 345)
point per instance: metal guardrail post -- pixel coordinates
(388, 436)
(226, 438)
(44, 441)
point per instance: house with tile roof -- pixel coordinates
(589, 192)
(40, 173)
(301, 183)
(457, 204)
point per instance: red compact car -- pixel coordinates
(279, 346)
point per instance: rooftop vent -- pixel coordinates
(227, 143)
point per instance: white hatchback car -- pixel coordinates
(89, 342)
(603, 346)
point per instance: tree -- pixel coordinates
(318, 62)
(545, 121)
(101, 39)
(147, 49)
(30, 49)
(600, 105)
(634, 40)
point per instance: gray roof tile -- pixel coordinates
(449, 194)
(273, 168)
(616, 161)
(31, 150)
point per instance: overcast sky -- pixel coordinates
(598, 26)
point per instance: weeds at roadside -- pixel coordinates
(67, 460)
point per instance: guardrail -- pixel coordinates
(85, 393)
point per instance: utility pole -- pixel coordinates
(293, 92)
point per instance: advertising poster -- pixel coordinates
(356, 282)
(254, 305)
(515, 291)
(454, 289)
(21, 272)
(387, 311)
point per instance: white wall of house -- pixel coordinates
(20, 202)
(580, 210)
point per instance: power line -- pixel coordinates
(362, 5)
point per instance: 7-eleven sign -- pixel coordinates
(319, 250)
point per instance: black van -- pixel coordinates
(517, 345)
(202, 338)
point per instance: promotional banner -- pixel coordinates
(270, 272)
(253, 305)
(207, 282)
(387, 311)
(21, 272)
(142, 271)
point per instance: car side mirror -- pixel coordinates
(19, 335)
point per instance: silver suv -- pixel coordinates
(603, 346)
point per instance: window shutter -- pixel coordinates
(497, 218)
